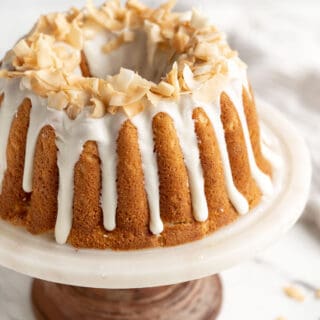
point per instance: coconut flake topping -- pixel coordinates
(48, 59)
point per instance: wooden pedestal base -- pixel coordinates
(193, 300)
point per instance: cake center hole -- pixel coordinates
(150, 60)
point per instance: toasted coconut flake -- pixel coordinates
(132, 96)
(90, 28)
(198, 21)
(118, 99)
(128, 36)
(79, 98)
(294, 293)
(113, 44)
(158, 15)
(44, 52)
(169, 5)
(172, 78)
(180, 41)
(47, 60)
(105, 91)
(153, 31)
(40, 87)
(22, 48)
(188, 78)
(75, 36)
(137, 5)
(134, 108)
(97, 108)
(54, 80)
(210, 90)
(203, 69)
(123, 80)
(58, 100)
(60, 24)
(206, 51)
(113, 109)
(73, 111)
(103, 18)
(92, 84)
(164, 89)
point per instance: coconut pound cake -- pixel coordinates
(127, 127)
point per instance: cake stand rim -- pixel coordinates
(156, 267)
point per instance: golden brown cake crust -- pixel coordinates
(237, 151)
(13, 200)
(254, 130)
(38, 211)
(175, 201)
(221, 211)
(42, 211)
(86, 202)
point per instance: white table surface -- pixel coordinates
(280, 41)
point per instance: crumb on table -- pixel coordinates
(294, 293)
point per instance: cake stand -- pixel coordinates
(162, 283)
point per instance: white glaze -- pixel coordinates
(181, 114)
(108, 156)
(267, 142)
(262, 180)
(143, 122)
(71, 135)
(38, 119)
(70, 138)
(237, 199)
(185, 128)
(41, 257)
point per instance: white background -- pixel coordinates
(280, 41)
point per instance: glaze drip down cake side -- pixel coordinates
(127, 127)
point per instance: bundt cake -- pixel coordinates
(127, 127)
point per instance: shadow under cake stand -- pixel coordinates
(164, 283)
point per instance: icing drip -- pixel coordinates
(185, 129)
(13, 97)
(66, 165)
(184, 126)
(143, 122)
(71, 135)
(70, 138)
(237, 199)
(108, 156)
(235, 94)
(38, 119)
(266, 148)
